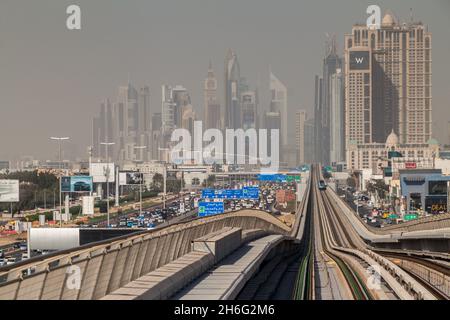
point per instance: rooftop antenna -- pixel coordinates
(411, 14)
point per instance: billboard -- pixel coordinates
(131, 178)
(410, 165)
(76, 184)
(210, 208)
(88, 205)
(99, 171)
(359, 60)
(9, 190)
(438, 188)
(436, 204)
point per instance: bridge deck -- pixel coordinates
(227, 279)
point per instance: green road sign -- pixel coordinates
(410, 216)
(293, 178)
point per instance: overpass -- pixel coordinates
(241, 255)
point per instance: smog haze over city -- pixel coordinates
(53, 80)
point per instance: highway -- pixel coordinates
(328, 254)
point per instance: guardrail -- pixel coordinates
(299, 224)
(92, 271)
(427, 223)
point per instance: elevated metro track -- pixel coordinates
(334, 260)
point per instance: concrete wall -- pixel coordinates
(94, 271)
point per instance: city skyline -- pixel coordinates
(72, 116)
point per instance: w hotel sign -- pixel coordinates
(359, 60)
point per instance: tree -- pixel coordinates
(195, 181)
(378, 187)
(211, 180)
(158, 181)
(351, 182)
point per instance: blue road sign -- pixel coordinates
(210, 208)
(244, 193)
(272, 177)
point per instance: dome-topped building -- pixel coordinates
(392, 140)
(388, 19)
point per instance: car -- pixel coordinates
(23, 247)
(11, 261)
(2, 262)
(24, 256)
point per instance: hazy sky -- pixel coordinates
(52, 80)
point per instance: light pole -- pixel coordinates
(60, 139)
(142, 179)
(107, 172)
(164, 179)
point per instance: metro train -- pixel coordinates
(322, 185)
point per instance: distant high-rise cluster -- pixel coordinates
(141, 136)
(126, 123)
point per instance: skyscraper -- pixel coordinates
(232, 91)
(318, 141)
(309, 141)
(272, 121)
(278, 103)
(181, 98)
(127, 123)
(300, 120)
(103, 128)
(249, 107)
(336, 124)
(173, 101)
(168, 107)
(188, 118)
(331, 104)
(211, 102)
(388, 82)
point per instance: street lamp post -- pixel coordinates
(107, 172)
(60, 139)
(142, 180)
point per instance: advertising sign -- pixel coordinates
(101, 171)
(410, 165)
(436, 204)
(76, 184)
(210, 208)
(9, 190)
(130, 178)
(88, 205)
